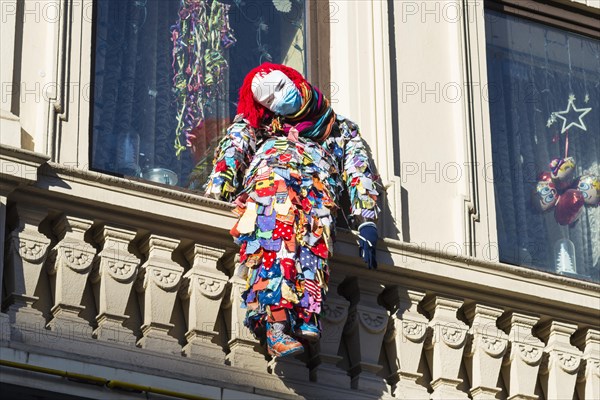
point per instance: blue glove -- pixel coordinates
(367, 242)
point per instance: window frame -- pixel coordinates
(579, 20)
(568, 15)
(317, 37)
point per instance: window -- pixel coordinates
(149, 100)
(544, 98)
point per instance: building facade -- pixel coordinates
(120, 284)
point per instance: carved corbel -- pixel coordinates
(202, 291)
(485, 352)
(588, 386)
(520, 366)
(445, 351)
(69, 267)
(560, 375)
(158, 281)
(364, 332)
(244, 350)
(114, 274)
(27, 250)
(405, 340)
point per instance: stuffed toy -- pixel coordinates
(284, 163)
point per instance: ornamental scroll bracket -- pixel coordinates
(593, 366)
(115, 257)
(204, 257)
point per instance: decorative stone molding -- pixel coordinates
(158, 280)
(485, 351)
(568, 362)
(445, 349)
(373, 323)
(69, 268)
(211, 288)
(164, 278)
(114, 275)
(520, 367)
(560, 375)
(32, 248)
(414, 331)
(454, 336)
(79, 260)
(334, 312)
(27, 250)
(202, 292)
(532, 355)
(493, 346)
(159, 269)
(121, 271)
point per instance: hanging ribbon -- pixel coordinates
(199, 39)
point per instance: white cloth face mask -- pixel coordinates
(276, 92)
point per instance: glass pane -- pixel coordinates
(140, 104)
(544, 97)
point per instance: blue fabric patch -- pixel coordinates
(269, 296)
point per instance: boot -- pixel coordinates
(279, 343)
(307, 331)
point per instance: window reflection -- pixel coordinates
(535, 72)
(135, 107)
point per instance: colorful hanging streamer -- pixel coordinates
(199, 39)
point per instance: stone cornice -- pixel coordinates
(133, 186)
(18, 165)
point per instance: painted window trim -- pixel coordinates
(582, 20)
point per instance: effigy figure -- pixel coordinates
(284, 162)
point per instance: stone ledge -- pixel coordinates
(188, 215)
(130, 364)
(19, 166)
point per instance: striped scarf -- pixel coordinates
(315, 118)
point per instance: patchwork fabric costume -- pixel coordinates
(285, 171)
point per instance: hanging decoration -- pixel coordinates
(560, 188)
(199, 37)
(565, 116)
